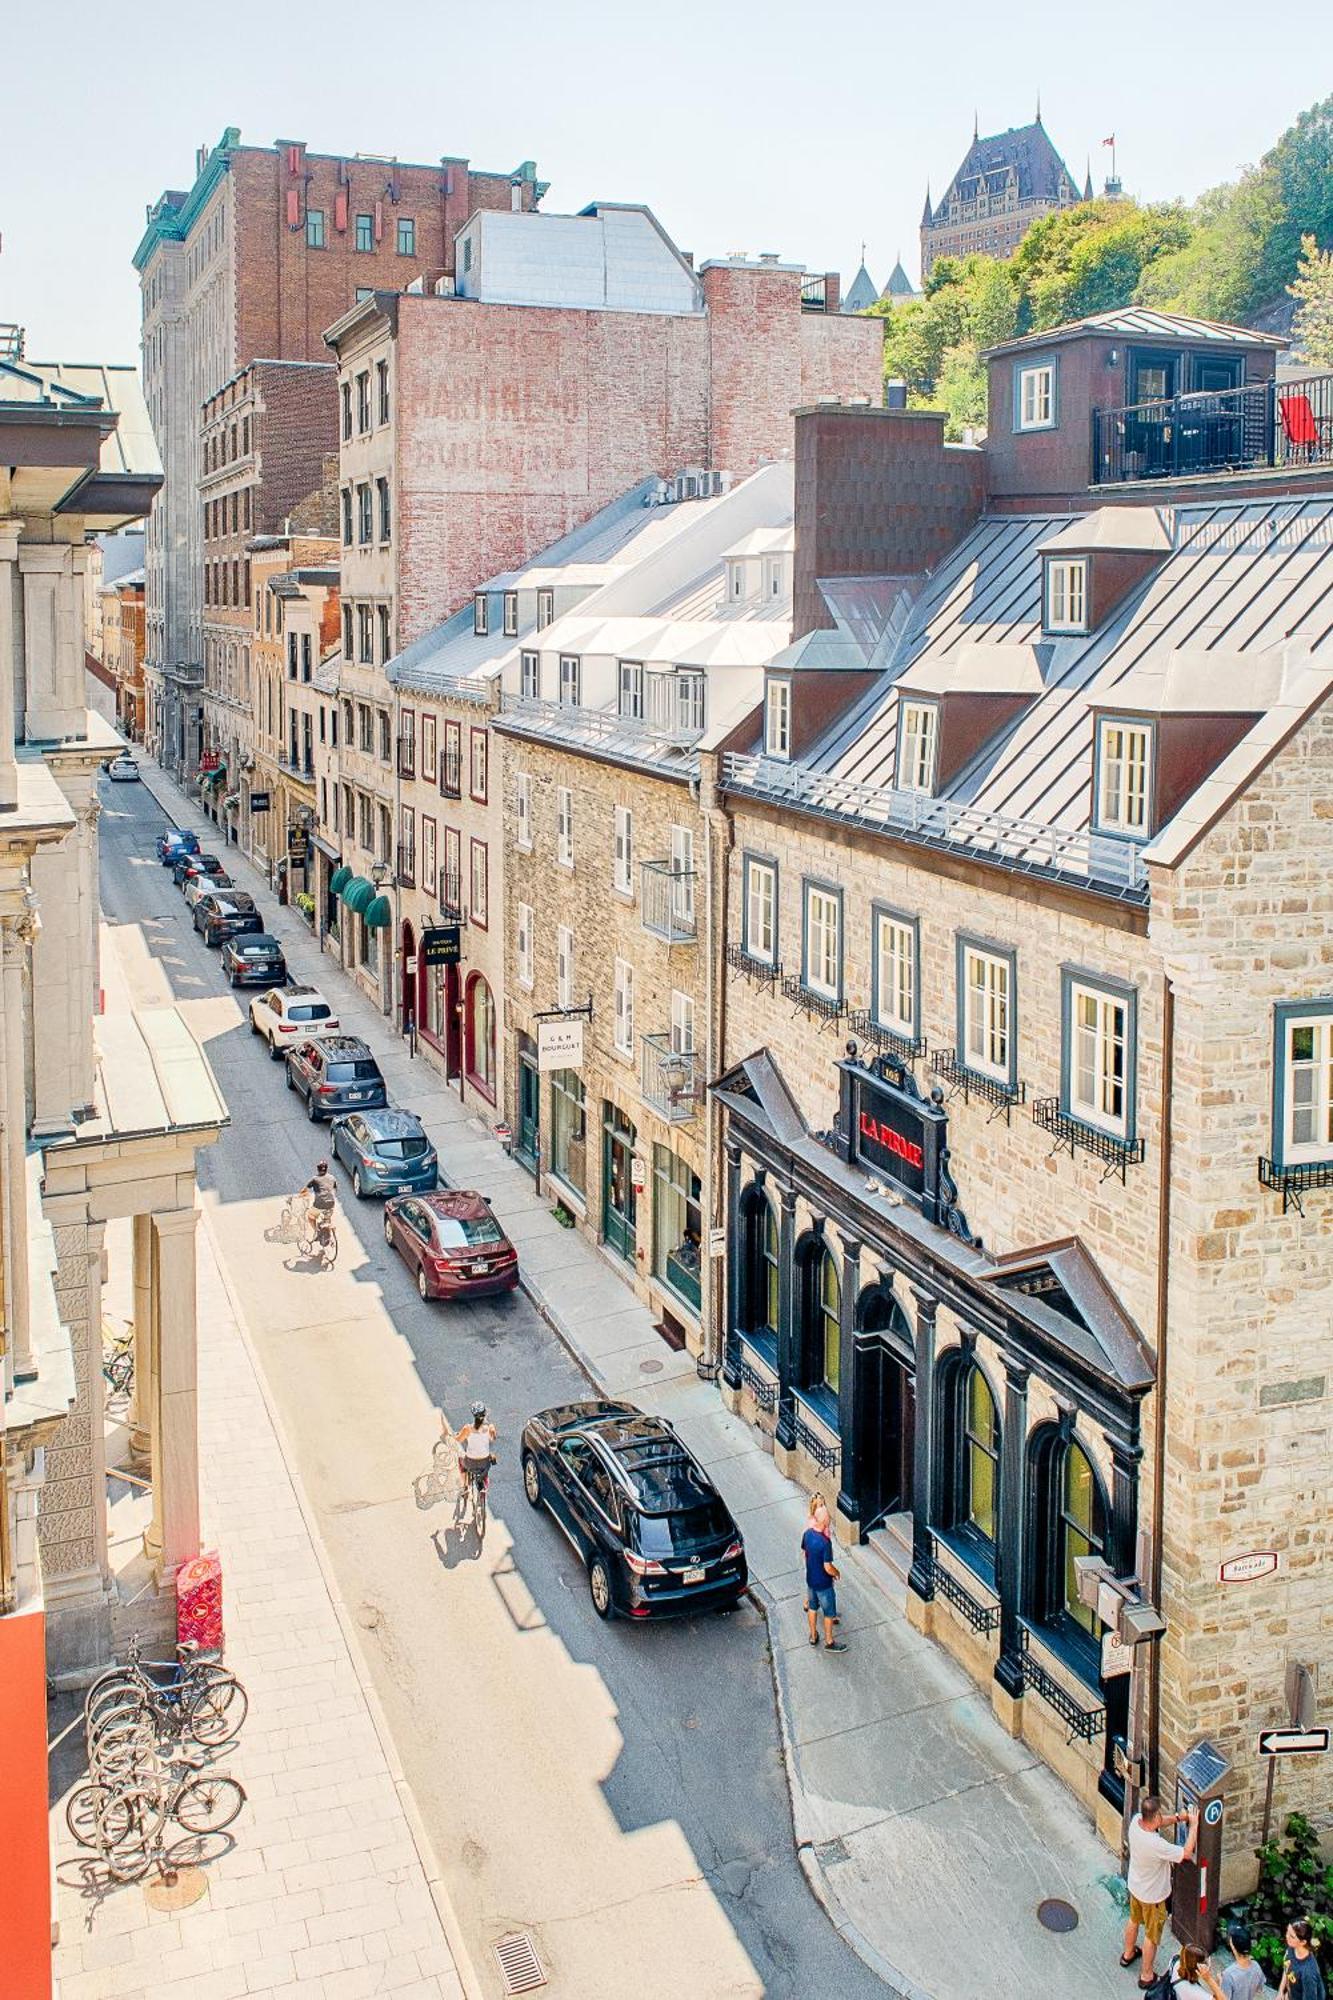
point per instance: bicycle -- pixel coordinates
(186, 1695)
(476, 1480)
(118, 1359)
(320, 1237)
(125, 1819)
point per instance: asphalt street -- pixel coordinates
(617, 1791)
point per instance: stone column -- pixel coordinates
(921, 1575)
(786, 1427)
(53, 642)
(88, 955)
(173, 1537)
(16, 931)
(849, 1505)
(1009, 1549)
(731, 1343)
(9, 589)
(143, 1391)
(57, 1024)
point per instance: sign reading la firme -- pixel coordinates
(894, 1134)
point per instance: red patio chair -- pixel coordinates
(1307, 435)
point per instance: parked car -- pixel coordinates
(226, 913)
(386, 1152)
(452, 1243)
(654, 1532)
(253, 959)
(184, 865)
(205, 885)
(335, 1073)
(295, 1012)
(174, 840)
(122, 771)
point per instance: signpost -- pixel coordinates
(441, 945)
(1248, 1569)
(1301, 1737)
(1293, 1742)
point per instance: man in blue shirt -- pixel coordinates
(820, 1577)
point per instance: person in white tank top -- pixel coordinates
(476, 1443)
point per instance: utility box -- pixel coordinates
(1201, 1778)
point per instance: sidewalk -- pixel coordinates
(323, 1894)
(928, 1833)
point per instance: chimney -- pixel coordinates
(895, 394)
(832, 291)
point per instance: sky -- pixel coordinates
(801, 128)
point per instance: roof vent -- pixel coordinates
(859, 402)
(770, 257)
(736, 257)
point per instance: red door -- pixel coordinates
(407, 983)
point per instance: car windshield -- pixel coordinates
(234, 906)
(683, 1533)
(353, 1072)
(458, 1232)
(399, 1149)
(309, 1011)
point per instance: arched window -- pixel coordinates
(759, 1268)
(1069, 1521)
(969, 1460)
(480, 1036)
(828, 1350)
(819, 1314)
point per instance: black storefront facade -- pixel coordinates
(985, 1410)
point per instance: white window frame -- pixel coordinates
(511, 614)
(682, 1023)
(895, 973)
(564, 966)
(1124, 776)
(622, 1019)
(630, 703)
(545, 607)
(918, 745)
(1066, 594)
(622, 862)
(775, 570)
(571, 680)
(1094, 1037)
(777, 719)
(988, 1012)
(479, 887)
(1035, 397)
(691, 692)
(761, 910)
(823, 941)
(523, 811)
(530, 676)
(525, 922)
(481, 615)
(1307, 1087)
(682, 873)
(564, 826)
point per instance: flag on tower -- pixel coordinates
(1110, 141)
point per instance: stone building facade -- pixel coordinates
(1005, 183)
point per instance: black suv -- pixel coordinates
(656, 1535)
(334, 1074)
(254, 959)
(184, 865)
(226, 913)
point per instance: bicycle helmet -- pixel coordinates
(323, 1167)
(478, 1413)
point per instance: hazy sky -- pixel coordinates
(800, 128)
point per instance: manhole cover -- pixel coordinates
(650, 1367)
(519, 1963)
(176, 1891)
(1056, 1915)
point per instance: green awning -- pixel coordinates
(339, 879)
(358, 893)
(378, 914)
(215, 776)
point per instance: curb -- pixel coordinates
(421, 1840)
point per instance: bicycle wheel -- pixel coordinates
(119, 1373)
(122, 1752)
(331, 1250)
(208, 1803)
(479, 1510)
(113, 1718)
(216, 1713)
(83, 1810)
(130, 1818)
(123, 1679)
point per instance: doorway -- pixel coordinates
(527, 1139)
(407, 982)
(619, 1200)
(884, 1395)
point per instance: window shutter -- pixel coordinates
(293, 208)
(340, 210)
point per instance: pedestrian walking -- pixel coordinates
(821, 1575)
(1242, 1979)
(1191, 1977)
(1151, 1858)
(1301, 1977)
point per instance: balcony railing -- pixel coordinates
(667, 905)
(407, 864)
(1262, 425)
(671, 1079)
(451, 894)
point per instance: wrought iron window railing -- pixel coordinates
(762, 1386)
(1085, 1725)
(1071, 1133)
(451, 894)
(814, 1440)
(1293, 1182)
(407, 865)
(667, 901)
(762, 972)
(983, 1618)
(969, 1083)
(819, 1006)
(905, 1047)
(670, 1079)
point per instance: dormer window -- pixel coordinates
(1123, 777)
(774, 577)
(918, 734)
(736, 582)
(571, 680)
(511, 614)
(1034, 396)
(545, 608)
(481, 620)
(1066, 594)
(777, 720)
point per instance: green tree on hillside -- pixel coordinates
(1314, 314)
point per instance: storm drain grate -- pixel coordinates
(1057, 1915)
(519, 1963)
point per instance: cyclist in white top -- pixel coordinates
(476, 1445)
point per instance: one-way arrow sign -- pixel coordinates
(1293, 1742)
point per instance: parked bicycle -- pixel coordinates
(185, 1696)
(118, 1359)
(127, 1818)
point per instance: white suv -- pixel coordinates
(287, 1015)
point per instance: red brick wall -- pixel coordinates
(878, 493)
(287, 293)
(295, 429)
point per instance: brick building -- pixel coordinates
(268, 247)
(123, 647)
(1020, 897)
(266, 791)
(1005, 183)
(570, 359)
